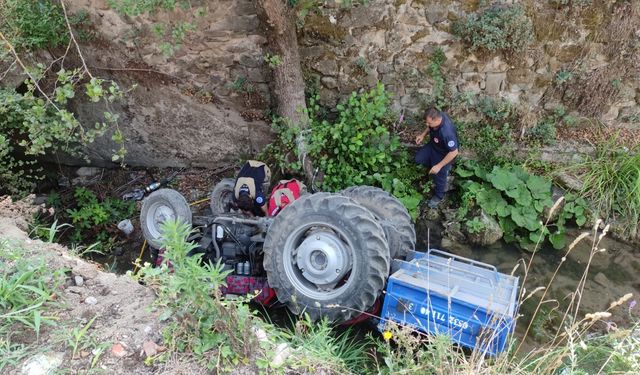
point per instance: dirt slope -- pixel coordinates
(122, 320)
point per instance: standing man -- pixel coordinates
(248, 192)
(438, 154)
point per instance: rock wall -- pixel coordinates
(205, 102)
(393, 40)
(199, 105)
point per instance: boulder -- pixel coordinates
(488, 235)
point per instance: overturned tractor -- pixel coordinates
(325, 254)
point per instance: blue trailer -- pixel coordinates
(442, 293)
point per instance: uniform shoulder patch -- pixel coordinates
(259, 200)
(451, 144)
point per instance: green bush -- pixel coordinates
(31, 126)
(93, 219)
(504, 28)
(544, 132)
(517, 200)
(33, 24)
(358, 149)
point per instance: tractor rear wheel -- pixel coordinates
(391, 214)
(326, 255)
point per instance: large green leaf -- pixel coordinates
(508, 227)
(521, 195)
(526, 244)
(503, 209)
(502, 179)
(558, 240)
(525, 218)
(521, 173)
(540, 187)
(490, 199)
(480, 172)
(464, 172)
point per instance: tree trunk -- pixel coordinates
(288, 84)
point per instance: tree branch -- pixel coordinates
(75, 42)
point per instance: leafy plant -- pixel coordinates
(504, 28)
(240, 84)
(492, 145)
(563, 76)
(30, 25)
(32, 125)
(475, 225)
(91, 217)
(517, 200)
(437, 98)
(544, 132)
(273, 60)
(358, 149)
(49, 233)
(78, 338)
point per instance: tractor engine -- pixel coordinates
(236, 244)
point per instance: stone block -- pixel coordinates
(329, 82)
(496, 65)
(494, 83)
(326, 67)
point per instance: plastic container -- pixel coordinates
(125, 226)
(441, 293)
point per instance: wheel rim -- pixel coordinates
(318, 261)
(225, 200)
(158, 213)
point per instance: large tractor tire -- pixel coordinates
(391, 214)
(326, 256)
(222, 196)
(158, 207)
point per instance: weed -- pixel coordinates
(324, 348)
(611, 180)
(198, 319)
(78, 339)
(563, 76)
(91, 217)
(475, 225)
(240, 84)
(516, 200)
(273, 60)
(498, 28)
(11, 354)
(361, 63)
(437, 98)
(49, 233)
